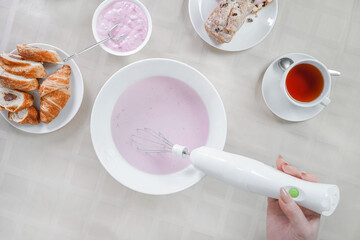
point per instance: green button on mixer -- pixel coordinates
(293, 192)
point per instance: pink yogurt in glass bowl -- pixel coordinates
(135, 25)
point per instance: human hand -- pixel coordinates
(285, 219)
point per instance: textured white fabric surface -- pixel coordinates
(53, 187)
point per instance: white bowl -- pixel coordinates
(98, 10)
(101, 114)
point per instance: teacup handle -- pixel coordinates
(334, 73)
(326, 101)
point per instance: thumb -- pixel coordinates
(293, 212)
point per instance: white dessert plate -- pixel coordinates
(71, 107)
(275, 98)
(249, 35)
(100, 125)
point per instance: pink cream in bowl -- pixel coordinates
(134, 24)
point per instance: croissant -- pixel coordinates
(38, 54)
(54, 94)
(12, 81)
(14, 101)
(25, 116)
(58, 80)
(15, 64)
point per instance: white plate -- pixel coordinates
(72, 106)
(100, 127)
(249, 35)
(275, 98)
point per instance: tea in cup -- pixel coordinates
(307, 83)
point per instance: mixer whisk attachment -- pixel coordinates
(149, 141)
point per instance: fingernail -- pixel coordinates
(284, 195)
(280, 156)
(285, 166)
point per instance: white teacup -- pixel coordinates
(323, 98)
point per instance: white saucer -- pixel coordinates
(275, 98)
(249, 35)
(71, 107)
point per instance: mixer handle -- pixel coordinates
(254, 176)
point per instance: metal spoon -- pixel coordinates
(110, 37)
(285, 63)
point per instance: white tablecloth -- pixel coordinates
(53, 187)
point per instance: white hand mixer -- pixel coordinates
(245, 173)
